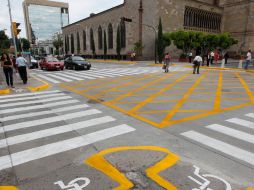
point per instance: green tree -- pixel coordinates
(25, 44)
(4, 42)
(225, 41)
(160, 45)
(57, 43)
(118, 43)
(105, 45)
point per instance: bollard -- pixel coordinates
(240, 66)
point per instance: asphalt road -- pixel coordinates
(130, 127)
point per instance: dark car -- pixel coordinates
(76, 63)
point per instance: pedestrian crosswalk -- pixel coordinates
(70, 75)
(237, 129)
(36, 119)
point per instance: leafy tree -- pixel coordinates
(4, 41)
(105, 45)
(58, 43)
(118, 43)
(138, 47)
(25, 44)
(160, 45)
(225, 41)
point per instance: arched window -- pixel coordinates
(84, 40)
(78, 43)
(123, 34)
(99, 37)
(92, 45)
(110, 36)
(72, 44)
(66, 44)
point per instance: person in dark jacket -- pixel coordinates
(7, 65)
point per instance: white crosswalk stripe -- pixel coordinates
(239, 129)
(70, 75)
(27, 123)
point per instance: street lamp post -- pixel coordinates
(149, 26)
(12, 32)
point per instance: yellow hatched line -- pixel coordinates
(140, 89)
(191, 111)
(246, 87)
(217, 101)
(182, 101)
(152, 112)
(148, 100)
(123, 85)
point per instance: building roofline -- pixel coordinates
(95, 15)
(46, 3)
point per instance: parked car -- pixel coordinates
(34, 63)
(76, 63)
(51, 63)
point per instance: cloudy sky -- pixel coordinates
(79, 9)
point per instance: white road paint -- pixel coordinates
(63, 146)
(232, 132)
(250, 115)
(54, 131)
(68, 76)
(85, 76)
(47, 105)
(41, 113)
(223, 147)
(28, 94)
(34, 102)
(76, 184)
(242, 122)
(58, 77)
(64, 117)
(48, 79)
(32, 97)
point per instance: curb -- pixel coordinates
(112, 61)
(39, 88)
(5, 91)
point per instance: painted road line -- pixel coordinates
(225, 148)
(28, 94)
(68, 76)
(47, 105)
(41, 113)
(64, 117)
(105, 74)
(241, 122)
(246, 87)
(54, 131)
(32, 97)
(60, 78)
(232, 132)
(250, 115)
(5, 162)
(90, 77)
(35, 101)
(63, 146)
(48, 79)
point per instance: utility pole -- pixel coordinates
(12, 31)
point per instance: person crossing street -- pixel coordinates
(197, 62)
(21, 63)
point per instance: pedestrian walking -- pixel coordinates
(216, 57)
(248, 60)
(226, 56)
(211, 57)
(196, 64)
(21, 63)
(7, 65)
(190, 57)
(208, 59)
(167, 62)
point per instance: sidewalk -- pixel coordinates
(33, 84)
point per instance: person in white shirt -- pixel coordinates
(248, 59)
(212, 57)
(197, 62)
(21, 63)
(190, 57)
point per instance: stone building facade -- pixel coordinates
(213, 16)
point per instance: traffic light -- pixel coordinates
(126, 19)
(15, 29)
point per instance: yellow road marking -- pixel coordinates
(140, 89)
(182, 101)
(246, 87)
(123, 85)
(39, 88)
(191, 111)
(8, 188)
(250, 189)
(98, 162)
(5, 91)
(143, 103)
(217, 101)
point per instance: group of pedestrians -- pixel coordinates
(9, 64)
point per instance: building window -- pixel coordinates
(78, 43)
(123, 34)
(201, 20)
(110, 36)
(100, 37)
(84, 40)
(66, 44)
(92, 45)
(72, 44)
